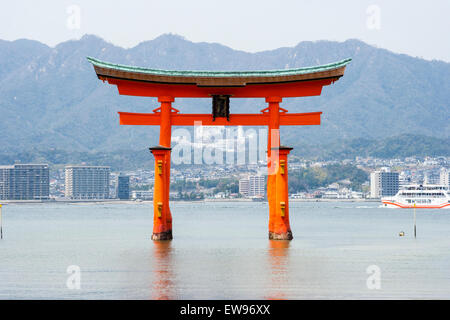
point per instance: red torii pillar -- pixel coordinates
(277, 182)
(162, 224)
(162, 218)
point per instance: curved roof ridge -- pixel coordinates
(199, 73)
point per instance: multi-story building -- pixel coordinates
(123, 187)
(244, 187)
(24, 182)
(431, 177)
(444, 177)
(6, 181)
(256, 186)
(87, 182)
(142, 194)
(383, 183)
(253, 186)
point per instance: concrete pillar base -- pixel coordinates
(162, 236)
(280, 236)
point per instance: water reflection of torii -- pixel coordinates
(163, 278)
(278, 253)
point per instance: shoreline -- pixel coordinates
(118, 201)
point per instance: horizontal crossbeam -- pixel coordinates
(189, 119)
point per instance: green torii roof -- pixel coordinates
(218, 74)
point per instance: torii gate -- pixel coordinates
(273, 85)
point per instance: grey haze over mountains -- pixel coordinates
(51, 97)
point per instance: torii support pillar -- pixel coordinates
(162, 219)
(279, 228)
(165, 140)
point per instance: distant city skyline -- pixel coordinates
(358, 178)
(415, 28)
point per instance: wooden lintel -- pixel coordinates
(286, 119)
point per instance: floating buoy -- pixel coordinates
(401, 233)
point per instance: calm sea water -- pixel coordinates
(221, 251)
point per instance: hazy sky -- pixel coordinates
(417, 28)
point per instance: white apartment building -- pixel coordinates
(142, 194)
(383, 183)
(87, 182)
(256, 185)
(253, 186)
(444, 177)
(244, 186)
(24, 182)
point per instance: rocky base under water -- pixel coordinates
(280, 236)
(162, 236)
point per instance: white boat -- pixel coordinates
(420, 197)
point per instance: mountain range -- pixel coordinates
(50, 97)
